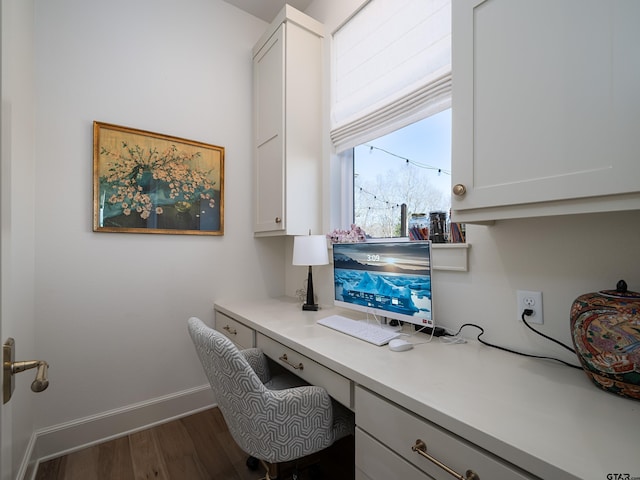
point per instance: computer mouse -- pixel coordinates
(399, 345)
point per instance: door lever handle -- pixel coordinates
(41, 382)
(10, 368)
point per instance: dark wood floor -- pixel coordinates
(196, 447)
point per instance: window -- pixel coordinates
(410, 166)
(390, 111)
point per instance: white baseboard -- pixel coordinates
(84, 432)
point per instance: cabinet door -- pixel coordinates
(269, 87)
(545, 102)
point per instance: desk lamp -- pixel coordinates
(310, 250)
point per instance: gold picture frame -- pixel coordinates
(146, 182)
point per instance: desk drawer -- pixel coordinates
(374, 461)
(312, 372)
(241, 335)
(398, 429)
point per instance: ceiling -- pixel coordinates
(267, 9)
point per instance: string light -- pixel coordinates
(388, 205)
(409, 161)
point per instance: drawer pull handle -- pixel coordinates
(286, 360)
(231, 331)
(421, 448)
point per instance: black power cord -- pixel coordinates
(526, 312)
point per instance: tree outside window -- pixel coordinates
(410, 166)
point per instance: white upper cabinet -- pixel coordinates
(546, 107)
(287, 89)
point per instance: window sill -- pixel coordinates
(450, 256)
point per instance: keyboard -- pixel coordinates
(369, 332)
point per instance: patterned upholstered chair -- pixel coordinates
(268, 418)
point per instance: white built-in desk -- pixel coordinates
(499, 414)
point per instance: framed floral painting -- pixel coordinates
(146, 182)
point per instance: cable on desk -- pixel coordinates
(510, 350)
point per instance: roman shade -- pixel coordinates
(391, 67)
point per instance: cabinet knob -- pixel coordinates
(278, 220)
(459, 190)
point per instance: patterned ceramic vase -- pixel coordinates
(605, 328)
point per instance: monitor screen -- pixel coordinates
(391, 279)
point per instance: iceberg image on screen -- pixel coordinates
(392, 279)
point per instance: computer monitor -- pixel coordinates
(390, 278)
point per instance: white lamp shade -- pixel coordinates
(310, 250)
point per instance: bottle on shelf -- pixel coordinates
(438, 227)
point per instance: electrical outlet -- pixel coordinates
(532, 301)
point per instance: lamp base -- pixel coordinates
(310, 306)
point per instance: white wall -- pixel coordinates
(112, 308)
(561, 256)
